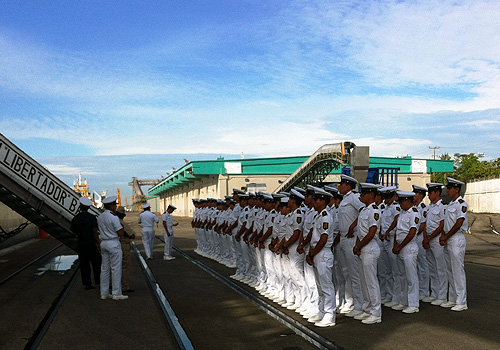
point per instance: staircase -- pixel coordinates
(35, 193)
(319, 165)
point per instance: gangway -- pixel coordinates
(36, 194)
(319, 165)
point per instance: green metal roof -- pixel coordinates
(197, 170)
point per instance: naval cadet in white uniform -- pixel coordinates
(147, 219)
(320, 255)
(405, 247)
(455, 225)
(368, 250)
(347, 217)
(168, 231)
(110, 230)
(422, 263)
(435, 252)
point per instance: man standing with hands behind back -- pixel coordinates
(168, 231)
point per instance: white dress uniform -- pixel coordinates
(393, 282)
(407, 258)
(148, 219)
(435, 254)
(111, 252)
(323, 264)
(169, 240)
(383, 267)
(348, 212)
(311, 296)
(422, 263)
(268, 255)
(455, 250)
(370, 253)
(295, 261)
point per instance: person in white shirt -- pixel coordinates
(147, 219)
(368, 250)
(455, 225)
(435, 252)
(405, 247)
(110, 231)
(168, 231)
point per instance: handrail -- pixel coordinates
(336, 151)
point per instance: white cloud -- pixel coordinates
(62, 169)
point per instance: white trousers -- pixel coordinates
(323, 264)
(169, 241)
(351, 261)
(422, 268)
(437, 270)
(111, 266)
(407, 263)
(384, 272)
(369, 281)
(148, 239)
(455, 254)
(394, 277)
(312, 294)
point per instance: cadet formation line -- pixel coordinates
(318, 251)
(322, 251)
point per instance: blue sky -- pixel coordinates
(90, 79)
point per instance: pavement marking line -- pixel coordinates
(179, 333)
(51, 314)
(298, 328)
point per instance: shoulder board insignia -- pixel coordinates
(422, 205)
(325, 226)
(425, 214)
(376, 216)
(324, 213)
(415, 209)
(416, 220)
(299, 211)
(464, 209)
(246, 216)
(299, 219)
(272, 219)
(398, 208)
(374, 206)
(461, 201)
(382, 206)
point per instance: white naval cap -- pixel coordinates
(295, 193)
(454, 183)
(145, 206)
(109, 200)
(405, 194)
(85, 201)
(321, 193)
(434, 186)
(388, 189)
(172, 206)
(331, 189)
(347, 178)
(418, 189)
(268, 197)
(368, 187)
(238, 191)
(284, 199)
(301, 190)
(309, 189)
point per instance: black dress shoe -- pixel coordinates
(89, 286)
(128, 291)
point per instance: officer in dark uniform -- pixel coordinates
(84, 226)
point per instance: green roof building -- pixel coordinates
(217, 178)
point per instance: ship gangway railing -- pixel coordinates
(319, 165)
(36, 194)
